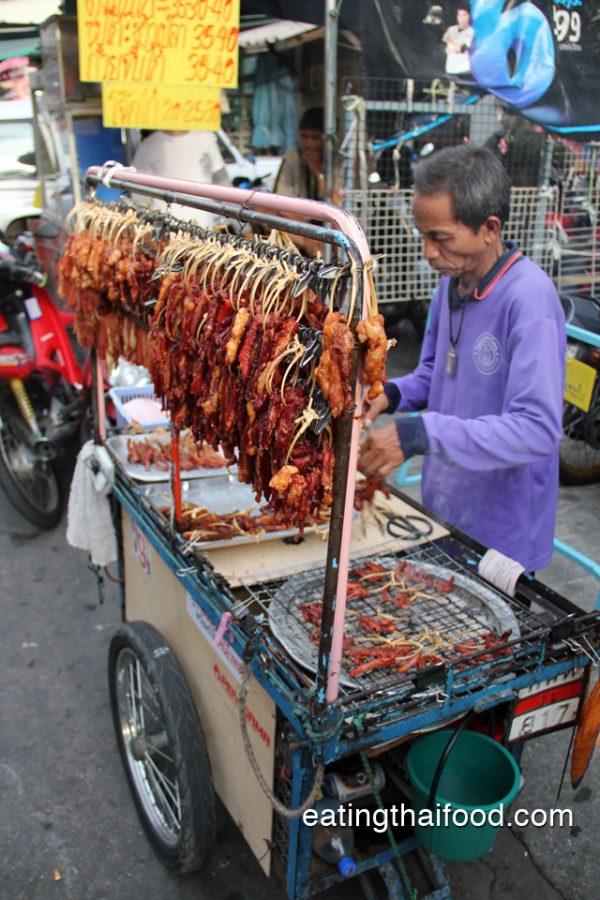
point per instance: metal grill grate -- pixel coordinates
(467, 614)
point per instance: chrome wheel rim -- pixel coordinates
(34, 478)
(148, 752)
(575, 451)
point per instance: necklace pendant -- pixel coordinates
(451, 362)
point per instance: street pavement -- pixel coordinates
(68, 827)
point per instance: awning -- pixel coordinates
(277, 35)
(23, 46)
(25, 12)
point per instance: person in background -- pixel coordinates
(301, 173)
(518, 146)
(458, 38)
(491, 372)
(191, 155)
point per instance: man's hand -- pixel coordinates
(374, 408)
(381, 452)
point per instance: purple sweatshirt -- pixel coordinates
(494, 426)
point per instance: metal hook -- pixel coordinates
(245, 205)
(593, 650)
(576, 646)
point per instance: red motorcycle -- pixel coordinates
(45, 386)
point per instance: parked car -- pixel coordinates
(19, 194)
(248, 167)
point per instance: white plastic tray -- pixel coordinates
(118, 445)
(221, 495)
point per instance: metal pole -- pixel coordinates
(331, 41)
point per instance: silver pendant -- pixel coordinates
(451, 362)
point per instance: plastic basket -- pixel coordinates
(122, 395)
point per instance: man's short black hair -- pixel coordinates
(473, 177)
(312, 119)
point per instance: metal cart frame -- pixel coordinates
(320, 724)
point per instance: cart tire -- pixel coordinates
(162, 747)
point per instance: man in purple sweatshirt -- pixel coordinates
(491, 372)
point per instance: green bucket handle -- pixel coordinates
(444, 758)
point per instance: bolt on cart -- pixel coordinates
(289, 626)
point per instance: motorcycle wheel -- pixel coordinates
(579, 462)
(31, 485)
(162, 747)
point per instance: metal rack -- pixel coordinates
(260, 208)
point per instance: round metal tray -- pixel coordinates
(469, 605)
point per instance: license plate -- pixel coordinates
(579, 385)
(547, 706)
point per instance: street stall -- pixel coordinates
(295, 637)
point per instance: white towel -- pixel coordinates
(500, 570)
(89, 522)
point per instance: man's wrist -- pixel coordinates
(412, 435)
(392, 392)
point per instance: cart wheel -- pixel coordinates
(162, 746)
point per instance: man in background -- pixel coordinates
(518, 146)
(191, 155)
(458, 38)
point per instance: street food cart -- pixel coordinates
(265, 649)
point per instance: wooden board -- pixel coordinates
(153, 594)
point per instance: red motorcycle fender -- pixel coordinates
(52, 345)
(14, 363)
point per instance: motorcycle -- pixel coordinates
(45, 386)
(580, 445)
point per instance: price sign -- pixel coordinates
(186, 42)
(164, 106)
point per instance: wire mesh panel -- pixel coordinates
(392, 125)
(576, 240)
(401, 272)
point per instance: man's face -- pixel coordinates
(463, 18)
(449, 246)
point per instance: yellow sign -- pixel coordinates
(165, 106)
(579, 384)
(189, 42)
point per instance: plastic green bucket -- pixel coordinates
(479, 776)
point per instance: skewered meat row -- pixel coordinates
(102, 282)
(222, 373)
(198, 524)
(225, 347)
